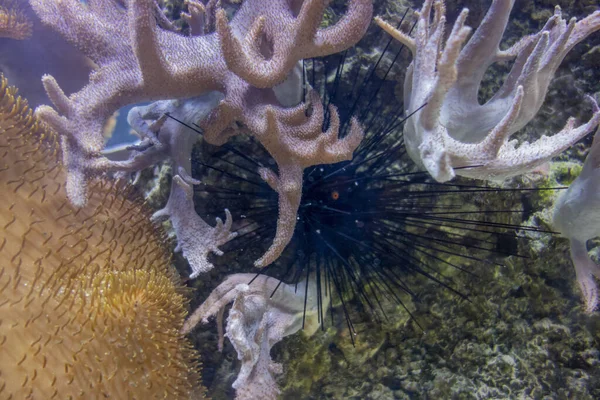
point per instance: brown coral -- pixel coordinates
(89, 307)
(451, 129)
(14, 23)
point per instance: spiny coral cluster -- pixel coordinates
(89, 307)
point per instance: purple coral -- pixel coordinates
(144, 59)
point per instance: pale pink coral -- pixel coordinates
(139, 58)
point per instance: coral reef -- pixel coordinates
(522, 334)
(89, 304)
(452, 133)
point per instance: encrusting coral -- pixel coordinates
(455, 135)
(577, 217)
(264, 311)
(89, 305)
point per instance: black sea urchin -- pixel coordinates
(365, 227)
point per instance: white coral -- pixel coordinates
(264, 311)
(455, 135)
(166, 138)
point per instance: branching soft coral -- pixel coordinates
(264, 311)
(296, 142)
(453, 130)
(577, 217)
(146, 60)
(164, 138)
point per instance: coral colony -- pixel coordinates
(453, 129)
(144, 60)
(245, 76)
(88, 299)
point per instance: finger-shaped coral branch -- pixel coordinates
(446, 67)
(195, 238)
(277, 39)
(512, 160)
(200, 17)
(577, 217)
(288, 185)
(586, 272)
(295, 147)
(400, 36)
(453, 129)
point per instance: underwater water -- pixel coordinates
(380, 282)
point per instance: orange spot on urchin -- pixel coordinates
(89, 306)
